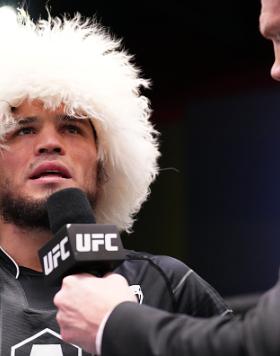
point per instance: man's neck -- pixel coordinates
(23, 244)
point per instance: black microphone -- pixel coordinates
(79, 244)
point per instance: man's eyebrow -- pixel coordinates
(66, 117)
(27, 120)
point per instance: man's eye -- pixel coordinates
(73, 129)
(25, 131)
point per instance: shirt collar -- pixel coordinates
(9, 263)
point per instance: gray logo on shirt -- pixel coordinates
(45, 343)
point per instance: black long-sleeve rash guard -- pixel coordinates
(28, 324)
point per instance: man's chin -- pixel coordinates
(43, 191)
(30, 211)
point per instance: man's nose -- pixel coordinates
(275, 69)
(49, 142)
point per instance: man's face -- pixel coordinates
(270, 28)
(47, 151)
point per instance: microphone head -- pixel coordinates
(69, 206)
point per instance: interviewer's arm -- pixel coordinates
(141, 330)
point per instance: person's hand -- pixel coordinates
(83, 301)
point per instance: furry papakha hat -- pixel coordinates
(77, 63)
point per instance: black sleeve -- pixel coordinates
(192, 295)
(138, 330)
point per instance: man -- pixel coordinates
(71, 115)
(270, 29)
(123, 327)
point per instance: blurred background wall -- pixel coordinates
(216, 203)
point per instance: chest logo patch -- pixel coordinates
(45, 343)
(136, 289)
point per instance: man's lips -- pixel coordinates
(50, 170)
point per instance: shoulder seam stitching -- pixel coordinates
(182, 280)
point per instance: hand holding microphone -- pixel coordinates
(79, 252)
(84, 301)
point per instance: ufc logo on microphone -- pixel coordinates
(92, 242)
(57, 252)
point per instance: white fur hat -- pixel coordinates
(77, 63)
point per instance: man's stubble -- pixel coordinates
(26, 212)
